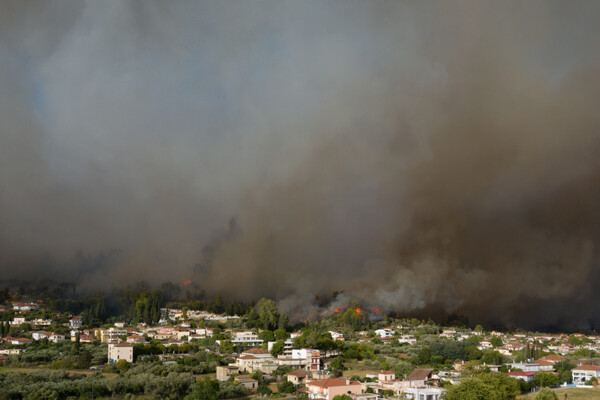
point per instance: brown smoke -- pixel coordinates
(434, 157)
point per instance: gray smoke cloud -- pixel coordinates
(423, 157)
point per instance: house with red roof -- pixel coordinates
(584, 373)
(329, 388)
(522, 375)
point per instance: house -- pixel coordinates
(551, 359)
(17, 341)
(56, 337)
(246, 338)
(410, 339)
(120, 351)
(225, 371)
(419, 376)
(39, 335)
(18, 321)
(25, 306)
(85, 339)
(584, 373)
(386, 376)
(522, 375)
(423, 393)
(312, 357)
(75, 323)
(336, 336)
(135, 338)
(297, 377)
(246, 381)
(485, 344)
(528, 367)
(248, 363)
(385, 333)
(112, 334)
(329, 388)
(42, 322)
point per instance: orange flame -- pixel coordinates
(188, 282)
(339, 309)
(358, 310)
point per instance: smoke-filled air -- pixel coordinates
(419, 157)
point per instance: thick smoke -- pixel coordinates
(422, 157)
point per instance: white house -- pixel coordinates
(584, 373)
(120, 351)
(423, 393)
(385, 333)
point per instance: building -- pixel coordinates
(297, 377)
(247, 382)
(246, 338)
(329, 388)
(584, 373)
(423, 393)
(120, 351)
(225, 371)
(112, 334)
(522, 375)
(419, 377)
(75, 323)
(386, 376)
(312, 357)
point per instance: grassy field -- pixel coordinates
(4, 369)
(572, 394)
(360, 369)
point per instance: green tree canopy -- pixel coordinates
(546, 394)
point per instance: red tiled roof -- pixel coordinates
(587, 368)
(520, 373)
(325, 383)
(248, 358)
(300, 373)
(256, 351)
(419, 374)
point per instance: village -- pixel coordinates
(346, 354)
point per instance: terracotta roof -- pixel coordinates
(325, 383)
(387, 372)
(520, 373)
(300, 373)
(420, 374)
(122, 345)
(256, 351)
(587, 368)
(552, 357)
(244, 378)
(248, 358)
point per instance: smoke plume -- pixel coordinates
(422, 157)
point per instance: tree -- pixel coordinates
(226, 347)
(546, 394)
(496, 341)
(546, 379)
(280, 334)
(264, 390)
(283, 323)
(122, 366)
(286, 387)
(484, 387)
(277, 348)
(478, 328)
(268, 315)
(207, 389)
(342, 397)
(266, 335)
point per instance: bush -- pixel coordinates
(546, 394)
